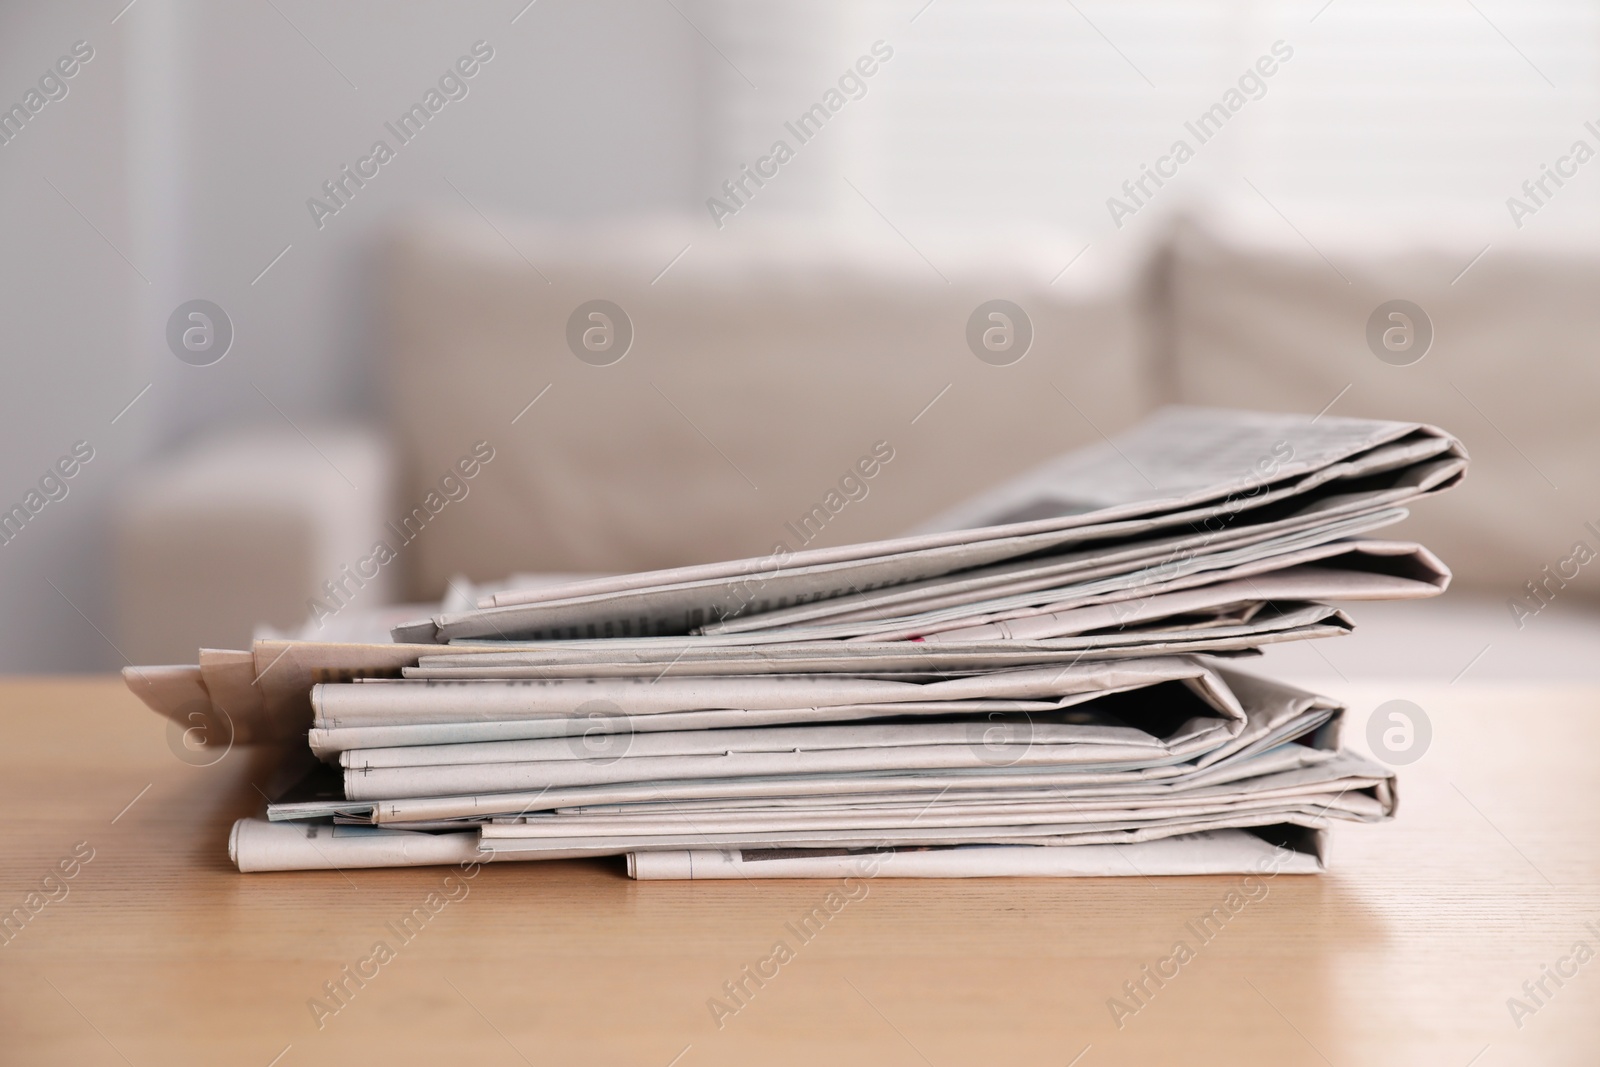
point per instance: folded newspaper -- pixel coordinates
(1041, 682)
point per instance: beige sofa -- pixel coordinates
(765, 365)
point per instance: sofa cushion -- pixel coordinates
(767, 368)
(1264, 321)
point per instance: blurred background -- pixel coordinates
(276, 275)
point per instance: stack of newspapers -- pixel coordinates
(1042, 682)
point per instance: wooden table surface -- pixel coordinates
(158, 952)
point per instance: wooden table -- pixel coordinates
(1407, 953)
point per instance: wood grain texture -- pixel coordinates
(160, 953)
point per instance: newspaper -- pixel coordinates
(1187, 470)
(259, 845)
(1206, 852)
(256, 845)
(1175, 562)
(1043, 783)
(657, 656)
(1222, 716)
(1352, 570)
(1040, 682)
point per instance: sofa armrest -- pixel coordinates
(254, 527)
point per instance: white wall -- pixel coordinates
(67, 298)
(192, 141)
